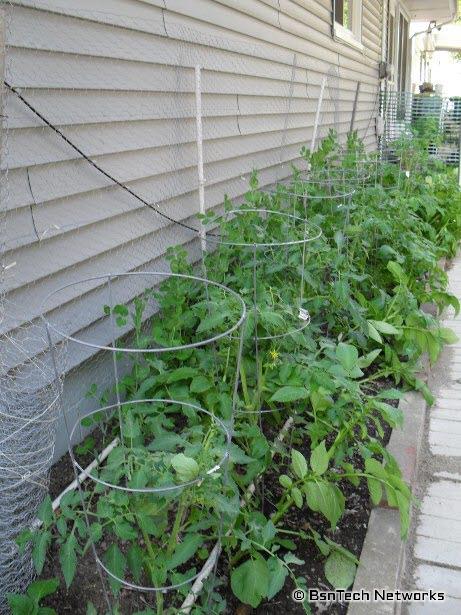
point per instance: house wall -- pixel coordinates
(119, 82)
(396, 8)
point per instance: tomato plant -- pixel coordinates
(362, 282)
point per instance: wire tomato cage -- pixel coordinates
(319, 201)
(305, 196)
(158, 419)
(261, 254)
(361, 171)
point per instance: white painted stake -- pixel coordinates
(317, 114)
(201, 178)
(81, 477)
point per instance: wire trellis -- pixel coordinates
(179, 426)
(253, 250)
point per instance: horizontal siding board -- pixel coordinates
(373, 10)
(73, 106)
(202, 8)
(101, 40)
(258, 10)
(32, 31)
(60, 216)
(307, 9)
(142, 15)
(66, 178)
(70, 177)
(91, 71)
(205, 11)
(29, 147)
(77, 72)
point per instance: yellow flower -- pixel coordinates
(274, 355)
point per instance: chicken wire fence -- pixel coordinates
(405, 114)
(116, 134)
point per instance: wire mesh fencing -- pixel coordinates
(439, 118)
(158, 453)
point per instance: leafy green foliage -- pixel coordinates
(250, 581)
(29, 603)
(340, 570)
(364, 282)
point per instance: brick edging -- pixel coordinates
(382, 559)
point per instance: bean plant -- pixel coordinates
(364, 282)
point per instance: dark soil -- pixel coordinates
(350, 533)
(62, 473)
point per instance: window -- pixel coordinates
(348, 22)
(398, 46)
(403, 53)
(391, 39)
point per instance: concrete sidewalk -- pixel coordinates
(433, 552)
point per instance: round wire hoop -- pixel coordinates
(254, 246)
(361, 171)
(124, 351)
(110, 277)
(296, 192)
(306, 318)
(287, 188)
(164, 488)
(269, 244)
(142, 588)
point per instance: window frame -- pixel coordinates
(403, 66)
(391, 46)
(392, 40)
(353, 36)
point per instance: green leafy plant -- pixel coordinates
(29, 603)
(363, 284)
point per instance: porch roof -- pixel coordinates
(449, 38)
(432, 10)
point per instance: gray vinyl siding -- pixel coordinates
(109, 78)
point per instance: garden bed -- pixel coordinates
(350, 533)
(355, 291)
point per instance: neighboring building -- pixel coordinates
(118, 80)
